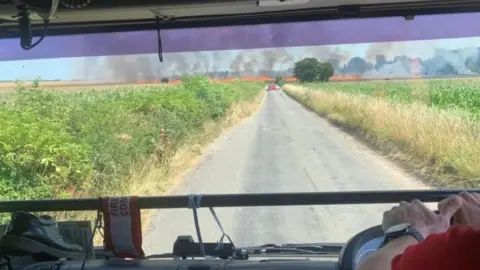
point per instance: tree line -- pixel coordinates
(305, 70)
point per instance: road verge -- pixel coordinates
(439, 146)
(152, 180)
(133, 140)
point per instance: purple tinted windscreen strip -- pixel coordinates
(250, 37)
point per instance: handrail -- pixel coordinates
(240, 200)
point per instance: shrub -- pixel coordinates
(326, 71)
(279, 80)
(311, 70)
(36, 82)
(56, 144)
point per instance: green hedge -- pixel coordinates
(52, 142)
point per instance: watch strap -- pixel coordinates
(409, 231)
(416, 234)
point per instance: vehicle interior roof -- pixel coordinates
(94, 16)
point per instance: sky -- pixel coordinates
(114, 55)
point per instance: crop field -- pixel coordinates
(61, 144)
(67, 86)
(434, 123)
(445, 93)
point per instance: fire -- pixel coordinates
(346, 78)
(228, 79)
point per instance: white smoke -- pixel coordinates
(394, 70)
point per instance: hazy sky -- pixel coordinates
(71, 68)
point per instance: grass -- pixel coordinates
(431, 127)
(130, 140)
(439, 93)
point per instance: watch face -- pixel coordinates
(397, 228)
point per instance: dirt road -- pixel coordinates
(283, 148)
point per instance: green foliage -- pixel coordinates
(279, 80)
(311, 70)
(36, 82)
(19, 84)
(54, 143)
(307, 70)
(453, 94)
(326, 71)
(458, 94)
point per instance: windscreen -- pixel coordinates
(347, 105)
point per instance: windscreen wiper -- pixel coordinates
(290, 249)
(185, 247)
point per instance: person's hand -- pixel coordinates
(420, 217)
(469, 212)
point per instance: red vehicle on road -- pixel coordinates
(273, 87)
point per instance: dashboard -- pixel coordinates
(174, 264)
(356, 250)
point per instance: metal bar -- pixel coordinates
(241, 200)
(10, 30)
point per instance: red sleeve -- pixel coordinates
(458, 248)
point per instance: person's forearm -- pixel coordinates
(382, 259)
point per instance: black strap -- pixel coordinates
(410, 231)
(159, 39)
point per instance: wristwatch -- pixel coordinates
(400, 230)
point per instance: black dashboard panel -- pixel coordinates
(356, 250)
(199, 264)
